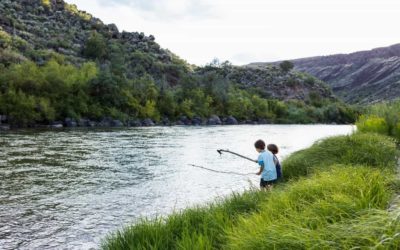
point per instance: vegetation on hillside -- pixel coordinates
(31, 94)
(57, 62)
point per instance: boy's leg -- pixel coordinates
(263, 184)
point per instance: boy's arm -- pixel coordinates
(259, 172)
(275, 160)
(261, 167)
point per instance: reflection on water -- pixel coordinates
(68, 189)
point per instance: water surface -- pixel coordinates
(69, 189)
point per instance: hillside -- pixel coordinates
(360, 77)
(36, 29)
(59, 64)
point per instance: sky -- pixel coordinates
(245, 31)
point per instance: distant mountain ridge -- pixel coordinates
(360, 77)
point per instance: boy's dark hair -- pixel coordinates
(273, 148)
(260, 144)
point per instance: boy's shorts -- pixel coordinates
(266, 183)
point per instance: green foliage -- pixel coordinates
(5, 39)
(372, 124)
(150, 111)
(72, 8)
(298, 114)
(96, 46)
(383, 118)
(186, 108)
(286, 66)
(20, 108)
(243, 105)
(46, 3)
(42, 94)
(315, 99)
(365, 149)
(63, 90)
(9, 57)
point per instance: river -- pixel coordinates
(68, 189)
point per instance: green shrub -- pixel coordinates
(381, 118)
(96, 46)
(20, 108)
(366, 149)
(343, 208)
(373, 124)
(46, 3)
(5, 39)
(286, 66)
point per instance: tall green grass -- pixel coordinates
(194, 228)
(342, 208)
(319, 209)
(358, 149)
(382, 118)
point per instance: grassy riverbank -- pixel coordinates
(335, 195)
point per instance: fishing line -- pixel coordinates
(221, 172)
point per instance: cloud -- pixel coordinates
(166, 9)
(254, 30)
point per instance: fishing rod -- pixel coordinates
(220, 151)
(221, 172)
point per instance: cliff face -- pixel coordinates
(360, 77)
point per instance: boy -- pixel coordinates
(267, 165)
(274, 150)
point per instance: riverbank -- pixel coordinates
(111, 123)
(335, 195)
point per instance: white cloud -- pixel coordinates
(161, 9)
(244, 31)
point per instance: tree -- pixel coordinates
(286, 66)
(96, 46)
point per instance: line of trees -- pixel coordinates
(32, 94)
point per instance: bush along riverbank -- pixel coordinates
(382, 118)
(335, 196)
(58, 94)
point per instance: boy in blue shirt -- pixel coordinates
(267, 165)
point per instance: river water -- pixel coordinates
(68, 189)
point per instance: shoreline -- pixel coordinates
(7, 128)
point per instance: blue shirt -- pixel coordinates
(266, 160)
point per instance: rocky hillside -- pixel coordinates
(43, 25)
(40, 29)
(60, 65)
(37, 29)
(274, 83)
(360, 77)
